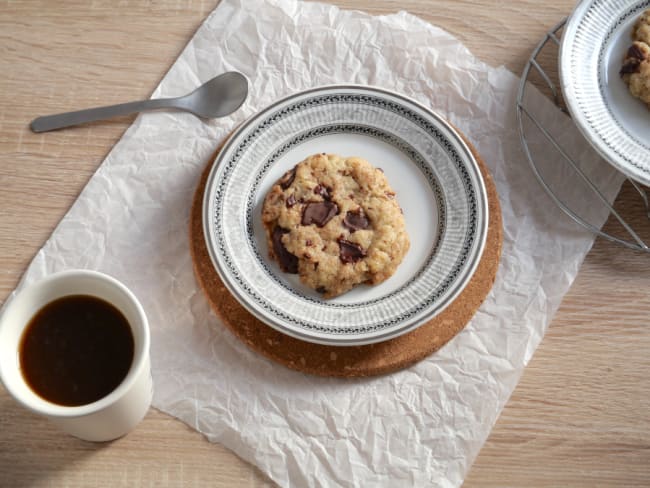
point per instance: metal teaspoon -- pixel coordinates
(217, 97)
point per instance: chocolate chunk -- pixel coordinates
(632, 63)
(287, 261)
(631, 66)
(321, 289)
(291, 201)
(635, 52)
(350, 252)
(319, 213)
(287, 178)
(323, 191)
(356, 220)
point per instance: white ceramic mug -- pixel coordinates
(109, 417)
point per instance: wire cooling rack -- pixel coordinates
(539, 58)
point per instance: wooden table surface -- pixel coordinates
(581, 413)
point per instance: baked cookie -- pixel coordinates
(336, 222)
(636, 71)
(641, 30)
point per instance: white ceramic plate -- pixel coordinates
(438, 185)
(594, 43)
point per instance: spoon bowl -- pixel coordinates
(219, 96)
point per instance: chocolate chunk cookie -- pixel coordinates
(636, 64)
(642, 28)
(636, 71)
(336, 222)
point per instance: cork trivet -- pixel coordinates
(349, 361)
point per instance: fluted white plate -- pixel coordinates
(594, 43)
(439, 187)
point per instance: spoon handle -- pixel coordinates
(67, 119)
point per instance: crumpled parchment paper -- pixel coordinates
(419, 427)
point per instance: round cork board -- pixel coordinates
(350, 361)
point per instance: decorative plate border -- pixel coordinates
(391, 139)
(375, 101)
(601, 82)
(576, 33)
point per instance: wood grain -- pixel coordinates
(581, 413)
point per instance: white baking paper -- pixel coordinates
(419, 427)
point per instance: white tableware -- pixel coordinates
(594, 43)
(439, 187)
(109, 417)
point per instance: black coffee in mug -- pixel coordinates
(76, 350)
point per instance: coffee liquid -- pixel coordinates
(76, 350)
